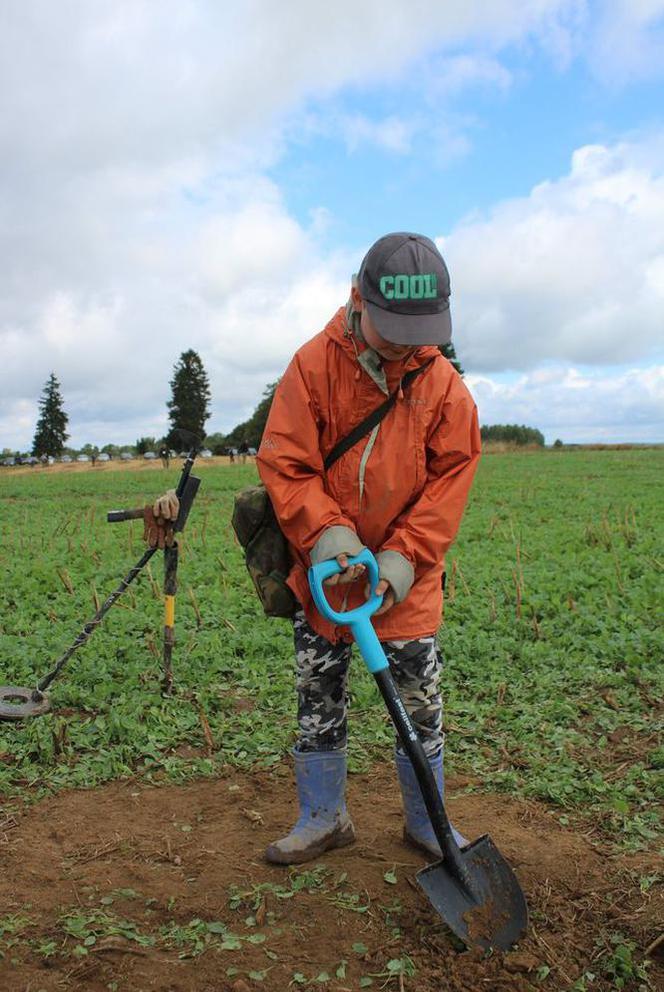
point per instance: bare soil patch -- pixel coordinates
(159, 858)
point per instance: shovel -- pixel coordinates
(472, 888)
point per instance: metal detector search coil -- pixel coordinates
(17, 703)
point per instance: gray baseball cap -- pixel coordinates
(406, 287)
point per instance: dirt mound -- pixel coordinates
(138, 888)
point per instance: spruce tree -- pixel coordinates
(188, 409)
(51, 430)
(448, 352)
(251, 430)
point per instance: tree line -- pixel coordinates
(517, 434)
(189, 410)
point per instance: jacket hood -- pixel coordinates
(341, 331)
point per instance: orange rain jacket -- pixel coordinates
(402, 491)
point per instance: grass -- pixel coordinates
(552, 644)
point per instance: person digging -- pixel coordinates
(400, 491)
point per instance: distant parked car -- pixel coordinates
(66, 458)
(150, 455)
(104, 457)
(9, 461)
(251, 451)
(82, 458)
(206, 453)
(126, 456)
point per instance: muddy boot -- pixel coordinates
(324, 822)
(417, 830)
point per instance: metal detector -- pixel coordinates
(19, 703)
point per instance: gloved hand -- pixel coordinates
(349, 573)
(157, 531)
(352, 572)
(167, 506)
(385, 590)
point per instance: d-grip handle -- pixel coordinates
(324, 570)
(359, 619)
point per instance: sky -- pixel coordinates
(208, 175)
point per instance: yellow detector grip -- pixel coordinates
(169, 611)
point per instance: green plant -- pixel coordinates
(551, 641)
(620, 964)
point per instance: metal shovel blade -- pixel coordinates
(494, 913)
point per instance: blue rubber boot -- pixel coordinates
(418, 830)
(324, 822)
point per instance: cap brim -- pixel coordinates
(411, 329)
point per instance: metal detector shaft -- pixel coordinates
(44, 683)
(170, 589)
(186, 493)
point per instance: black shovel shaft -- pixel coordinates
(44, 683)
(425, 777)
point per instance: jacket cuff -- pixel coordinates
(335, 541)
(398, 571)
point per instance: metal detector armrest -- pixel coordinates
(186, 502)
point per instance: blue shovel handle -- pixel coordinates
(359, 619)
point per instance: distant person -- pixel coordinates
(93, 458)
(243, 450)
(165, 456)
(231, 455)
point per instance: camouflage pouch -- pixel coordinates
(265, 550)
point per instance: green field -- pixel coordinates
(553, 649)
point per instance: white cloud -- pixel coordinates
(628, 42)
(451, 74)
(137, 220)
(391, 133)
(245, 286)
(577, 405)
(574, 271)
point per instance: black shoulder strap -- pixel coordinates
(374, 417)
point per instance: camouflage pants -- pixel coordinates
(321, 678)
